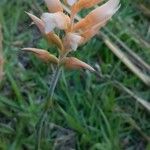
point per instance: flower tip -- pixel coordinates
(23, 49)
(71, 2)
(38, 22)
(26, 49)
(29, 14)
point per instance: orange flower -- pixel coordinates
(75, 34)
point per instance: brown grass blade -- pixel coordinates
(129, 51)
(144, 9)
(140, 100)
(124, 58)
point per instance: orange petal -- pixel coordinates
(55, 20)
(54, 5)
(38, 22)
(53, 38)
(71, 41)
(88, 34)
(81, 4)
(43, 55)
(74, 63)
(100, 14)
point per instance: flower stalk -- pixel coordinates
(47, 107)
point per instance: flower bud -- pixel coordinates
(38, 22)
(74, 63)
(43, 55)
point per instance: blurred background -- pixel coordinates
(93, 113)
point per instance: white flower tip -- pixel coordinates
(72, 41)
(55, 20)
(48, 21)
(71, 2)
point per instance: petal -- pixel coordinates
(72, 41)
(53, 38)
(88, 34)
(43, 55)
(55, 20)
(88, 3)
(74, 63)
(81, 4)
(100, 14)
(38, 22)
(54, 5)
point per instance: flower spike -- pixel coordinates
(74, 34)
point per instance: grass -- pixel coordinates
(92, 113)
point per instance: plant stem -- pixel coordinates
(48, 104)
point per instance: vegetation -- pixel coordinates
(89, 112)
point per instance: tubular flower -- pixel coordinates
(75, 34)
(71, 41)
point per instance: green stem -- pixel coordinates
(48, 104)
(54, 81)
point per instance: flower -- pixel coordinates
(55, 20)
(75, 34)
(71, 41)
